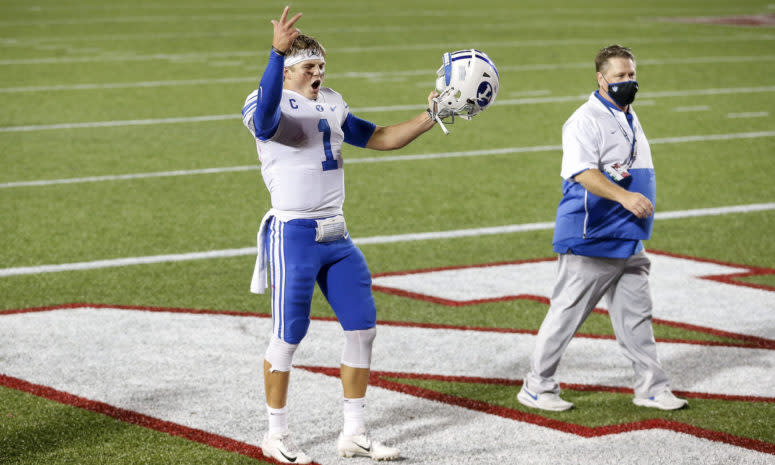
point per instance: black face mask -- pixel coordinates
(623, 93)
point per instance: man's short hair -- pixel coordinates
(307, 44)
(612, 51)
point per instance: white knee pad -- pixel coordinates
(279, 354)
(357, 347)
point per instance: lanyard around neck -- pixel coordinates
(631, 158)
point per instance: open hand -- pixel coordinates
(284, 31)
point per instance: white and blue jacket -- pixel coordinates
(596, 135)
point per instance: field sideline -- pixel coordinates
(130, 193)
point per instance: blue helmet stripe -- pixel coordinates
(467, 54)
(447, 68)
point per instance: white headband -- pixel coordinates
(303, 55)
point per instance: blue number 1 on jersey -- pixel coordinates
(330, 163)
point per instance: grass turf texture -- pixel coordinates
(94, 221)
(34, 430)
(739, 418)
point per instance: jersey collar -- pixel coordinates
(316, 100)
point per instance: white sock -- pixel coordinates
(278, 419)
(354, 422)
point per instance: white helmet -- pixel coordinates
(467, 82)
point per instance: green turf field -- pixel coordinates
(91, 90)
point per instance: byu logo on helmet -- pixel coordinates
(484, 94)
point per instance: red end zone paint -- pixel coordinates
(730, 278)
(377, 379)
(192, 311)
(380, 379)
(727, 278)
(746, 341)
(135, 418)
(749, 341)
(747, 20)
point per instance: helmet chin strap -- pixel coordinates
(441, 125)
(438, 120)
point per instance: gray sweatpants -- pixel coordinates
(581, 283)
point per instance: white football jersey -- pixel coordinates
(302, 163)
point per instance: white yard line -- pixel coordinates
(692, 108)
(126, 85)
(124, 177)
(750, 114)
(378, 159)
(518, 101)
(256, 16)
(251, 33)
(346, 30)
(709, 137)
(199, 56)
(374, 75)
(245, 18)
(133, 122)
(436, 235)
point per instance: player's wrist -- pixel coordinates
(431, 116)
(278, 51)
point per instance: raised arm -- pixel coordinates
(265, 104)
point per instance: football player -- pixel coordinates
(300, 127)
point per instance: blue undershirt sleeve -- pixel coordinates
(266, 119)
(357, 131)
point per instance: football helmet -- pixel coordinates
(467, 83)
